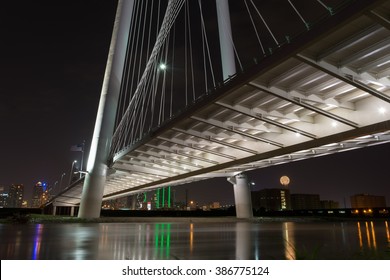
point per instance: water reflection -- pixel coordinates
(368, 237)
(37, 241)
(289, 241)
(240, 240)
(243, 241)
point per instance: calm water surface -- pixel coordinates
(232, 240)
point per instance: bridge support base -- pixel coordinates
(242, 196)
(91, 200)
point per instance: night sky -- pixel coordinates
(53, 56)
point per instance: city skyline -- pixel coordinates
(53, 69)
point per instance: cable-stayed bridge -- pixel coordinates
(194, 91)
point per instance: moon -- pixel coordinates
(284, 180)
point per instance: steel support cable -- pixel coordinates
(153, 94)
(124, 84)
(162, 98)
(173, 9)
(131, 66)
(325, 6)
(172, 76)
(299, 14)
(138, 53)
(191, 56)
(265, 23)
(135, 54)
(149, 33)
(204, 33)
(204, 61)
(185, 53)
(124, 93)
(143, 31)
(254, 26)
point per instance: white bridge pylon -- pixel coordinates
(323, 92)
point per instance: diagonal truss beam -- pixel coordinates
(286, 96)
(191, 146)
(356, 38)
(168, 158)
(213, 140)
(170, 152)
(348, 78)
(261, 117)
(232, 129)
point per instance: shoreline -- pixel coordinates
(48, 219)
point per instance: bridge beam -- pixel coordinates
(242, 196)
(93, 189)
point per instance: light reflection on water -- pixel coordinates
(240, 240)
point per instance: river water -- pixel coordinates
(196, 240)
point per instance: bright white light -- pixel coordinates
(334, 124)
(162, 66)
(382, 110)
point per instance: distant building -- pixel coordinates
(271, 199)
(37, 195)
(163, 198)
(305, 201)
(3, 197)
(367, 201)
(215, 205)
(15, 196)
(329, 204)
(192, 205)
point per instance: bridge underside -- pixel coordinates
(328, 91)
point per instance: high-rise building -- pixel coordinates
(3, 197)
(367, 201)
(271, 199)
(37, 195)
(163, 198)
(305, 201)
(15, 196)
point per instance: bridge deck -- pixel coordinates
(325, 92)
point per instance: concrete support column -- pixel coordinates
(133, 202)
(225, 39)
(54, 209)
(72, 211)
(92, 195)
(242, 196)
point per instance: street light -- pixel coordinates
(71, 172)
(162, 66)
(54, 187)
(62, 177)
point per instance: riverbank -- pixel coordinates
(46, 219)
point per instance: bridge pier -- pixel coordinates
(93, 189)
(242, 196)
(225, 39)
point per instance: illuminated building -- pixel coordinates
(3, 197)
(329, 204)
(15, 196)
(305, 201)
(192, 205)
(271, 199)
(367, 201)
(163, 198)
(37, 196)
(215, 205)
